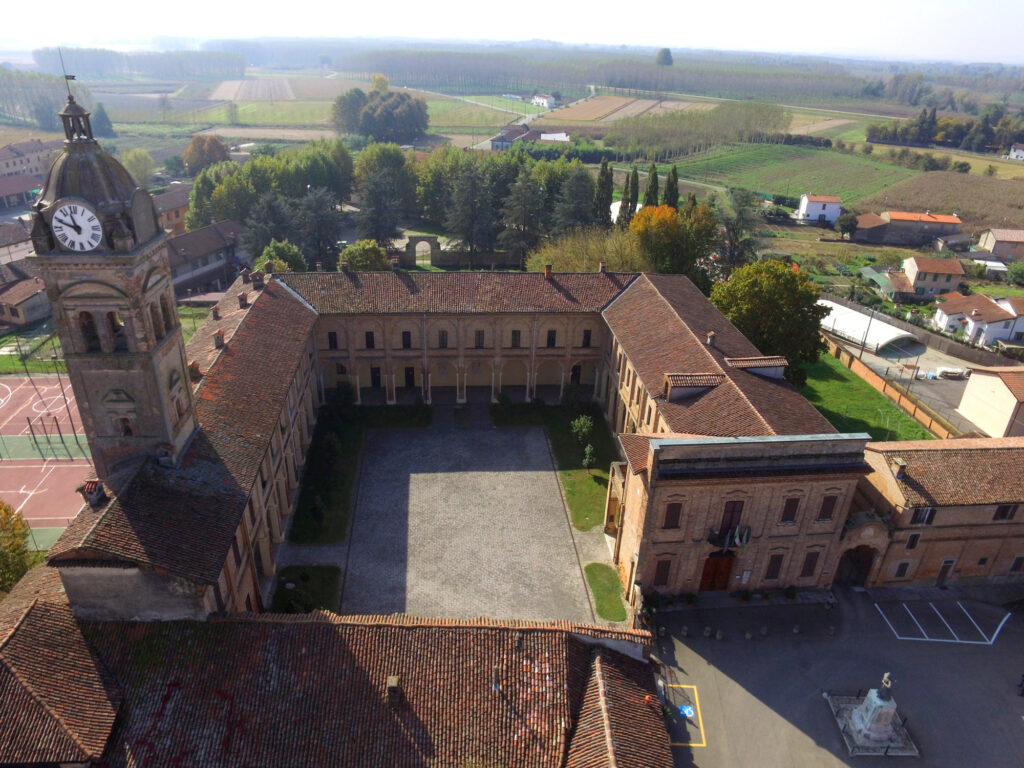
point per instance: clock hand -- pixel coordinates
(75, 227)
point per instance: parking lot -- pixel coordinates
(758, 700)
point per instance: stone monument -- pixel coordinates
(869, 724)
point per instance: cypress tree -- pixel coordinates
(671, 194)
(624, 215)
(634, 190)
(603, 196)
(651, 193)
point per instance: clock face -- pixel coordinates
(76, 227)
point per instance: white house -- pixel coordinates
(545, 100)
(984, 320)
(1016, 152)
(1007, 244)
(993, 399)
(819, 209)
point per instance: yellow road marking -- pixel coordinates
(700, 720)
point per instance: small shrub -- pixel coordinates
(581, 428)
(588, 456)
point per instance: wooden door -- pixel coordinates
(375, 376)
(944, 571)
(717, 568)
(410, 377)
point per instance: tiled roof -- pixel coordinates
(16, 185)
(1008, 235)
(56, 704)
(1016, 304)
(12, 233)
(764, 361)
(927, 217)
(977, 306)
(870, 221)
(900, 282)
(456, 292)
(304, 691)
(205, 241)
(175, 196)
(824, 199)
(636, 448)
(942, 473)
(661, 322)
(21, 290)
(694, 379)
(183, 519)
(939, 266)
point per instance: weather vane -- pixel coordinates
(67, 78)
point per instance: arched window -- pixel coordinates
(117, 332)
(158, 323)
(90, 337)
(165, 309)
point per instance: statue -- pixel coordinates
(885, 693)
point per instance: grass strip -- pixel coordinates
(607, 590)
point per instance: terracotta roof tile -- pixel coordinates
(205, 241)
(764, 361)
(870, 221)
(927, 217)
(636, 448)
(661, 322)
(939, 266)
(56, 704)
(312, 691)
(694, 379)
(12, 233)
(183, 519)
(977, 305)
(1008, 235)
(824, 199)
(175, 196)
(17, 185)
(21, 290)
(936, 470)
(456, 292)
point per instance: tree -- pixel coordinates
(521, 216)
(15, 556)
(139, 163)
(387, 190)
(575, 206)
(346, 110)
(625, 216)
(436, 177)
(847, 224)
(776, 308)
(379, 83)
(651, 193)
(270, 219)
(581, 427)
(737, 245)
(366, 256)
(634, 191)
(101, 125)
(317, 226)
(175, 165)
(661, 239)
(232, 113)
(584, 249)
(393, 116)
(602, 214)
(283, 257)
(1015, 272)
(664, 58)
(202, 152)
(471, 218)
(670, 197)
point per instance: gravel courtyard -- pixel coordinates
(462, 523)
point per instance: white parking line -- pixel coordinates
(913, 618)
(957, 640)
(943, 620)
(976, 623)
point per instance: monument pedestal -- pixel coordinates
(870, 724)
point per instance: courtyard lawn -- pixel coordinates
(313, 587)
(607, 590)
(852, 405)
(585, 489)
(191, 318)
(328, 485)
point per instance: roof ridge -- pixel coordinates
(39, 699)
(602, 704)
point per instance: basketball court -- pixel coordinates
(43, 455)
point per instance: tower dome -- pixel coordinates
(84, 173)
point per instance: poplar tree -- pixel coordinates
(624, 216)
(651, 193)
(603, 196)
(671, 194)
(634, 190)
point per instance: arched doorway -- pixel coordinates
(855, 566)
(549, 382)
(513, 381)
(478, 381)
(443, 382)
(717, 569)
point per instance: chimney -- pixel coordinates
(93, 492)
(547, 271)
(319, 266)
(898, 467)
(394, 263)
(194, 374)
(218, 339)
(394, 690)
(344, 266)
(257, 281)
(711, 338)
(243, 300)
(245, 275)
(215, 312)
(602, 267)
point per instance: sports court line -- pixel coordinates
(926, 639)
(10, 394)
(700, 720)
(36, 489)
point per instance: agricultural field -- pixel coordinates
(10, 134)
(586, 111)
(513, 105)
(606, 109)
(259, 89)
(980, 201)
(453, 116)
(791, 170)
(266, 113)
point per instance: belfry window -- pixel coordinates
(90, 337)
(117, 332)
(158, 323)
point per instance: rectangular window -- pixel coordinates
(789, 510)
(774, 567)
(661, 572)
(672, 512)
(828, 506)
(1018, 564)
(1005, 512)
(515, 339)
(731, 516)
(923, 516)
(901, 570)
(332, 340)
(406, 339)
(810, 564)
(442, 339)
(552, 335)
(586, 337)
(478, 339)
(369, 340)
(912, 540)
(948, 278)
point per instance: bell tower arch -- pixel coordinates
(104, 260)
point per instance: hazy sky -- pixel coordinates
(957, 30)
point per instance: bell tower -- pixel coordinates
(104, 260)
